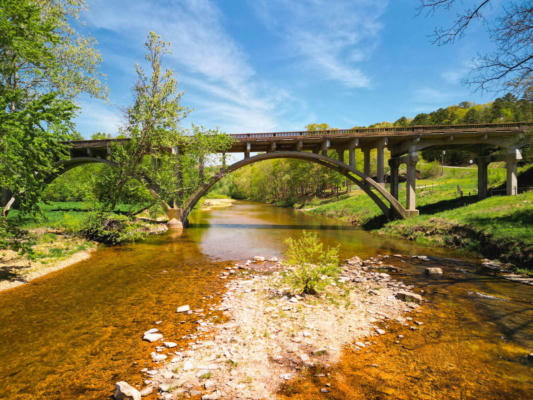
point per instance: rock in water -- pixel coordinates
(124, 391)
(259, 258)
(147, 391)
(152, 337)
(433, 271)
(409, 296)
(183, 309)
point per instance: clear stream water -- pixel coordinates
(73, 333)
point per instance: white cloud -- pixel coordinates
(330, 36)
(97, 116)
(211, 61)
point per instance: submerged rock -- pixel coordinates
(409, 296)
(183, 308)
(124, 391)
(433, 271)
(152, 336)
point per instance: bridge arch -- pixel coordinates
(67, 165)
(367, 184)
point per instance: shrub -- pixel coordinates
(312, 266)
(110, 229)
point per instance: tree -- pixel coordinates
(33, 122)
(159, 154)
(510, 65)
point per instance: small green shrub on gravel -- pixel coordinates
(313, 267)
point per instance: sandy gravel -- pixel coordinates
(270, 337)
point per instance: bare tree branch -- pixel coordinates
(510, 66)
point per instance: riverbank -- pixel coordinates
(265, 336)
(54, 244)
(53, 251)
(498, 228)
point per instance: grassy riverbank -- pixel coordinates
(498, 227)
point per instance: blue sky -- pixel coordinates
(271, 65)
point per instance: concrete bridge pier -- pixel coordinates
(511, 161)
(380, 160)
(410, 184)
(366, 167)
(482, 176)
(394, 164)
(351, 152)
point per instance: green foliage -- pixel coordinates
(110, 229)
(159, 154)
(43, 64)
(14, 238)
(313, 266)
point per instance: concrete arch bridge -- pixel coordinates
(487, 143)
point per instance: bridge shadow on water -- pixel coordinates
(276, 226)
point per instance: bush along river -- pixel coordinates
(386, 330)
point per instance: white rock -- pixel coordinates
(153, 330)
(124, 391)
(152, 337)
(164, 387)
(211, 396)
(433, 271)
(259, 258)
(185, 308)
(380, 331)
(187, 366)
(147, 391)
(273, 259)
(170, 345)
(158, 356)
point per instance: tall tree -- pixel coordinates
(33, 120)
(510, 65)
(159, 154)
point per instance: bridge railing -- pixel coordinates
(385, 130)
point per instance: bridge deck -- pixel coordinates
(341, 138)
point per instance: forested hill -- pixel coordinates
(504, 109)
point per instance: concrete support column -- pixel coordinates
(410, 185)
(351, 152)
(511, 163)
(394, 164)
(325, 146)
(300, 145)
(247, 150)
(366, 169)
(272, 146)
(340, 154)
(482, 177)
(381, 161)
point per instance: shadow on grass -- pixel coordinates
(521, 217)
(12, 273)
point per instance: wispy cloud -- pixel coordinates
(98, 116)
(331, 36)
(207, 58)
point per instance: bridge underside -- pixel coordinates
(487, 143)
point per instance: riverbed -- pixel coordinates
(75, 332)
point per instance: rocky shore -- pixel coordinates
(263, 336)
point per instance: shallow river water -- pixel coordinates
(75, 332)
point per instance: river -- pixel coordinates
(75, 332)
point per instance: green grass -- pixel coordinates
(497, 227)
(502, 217)
(58, 215)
